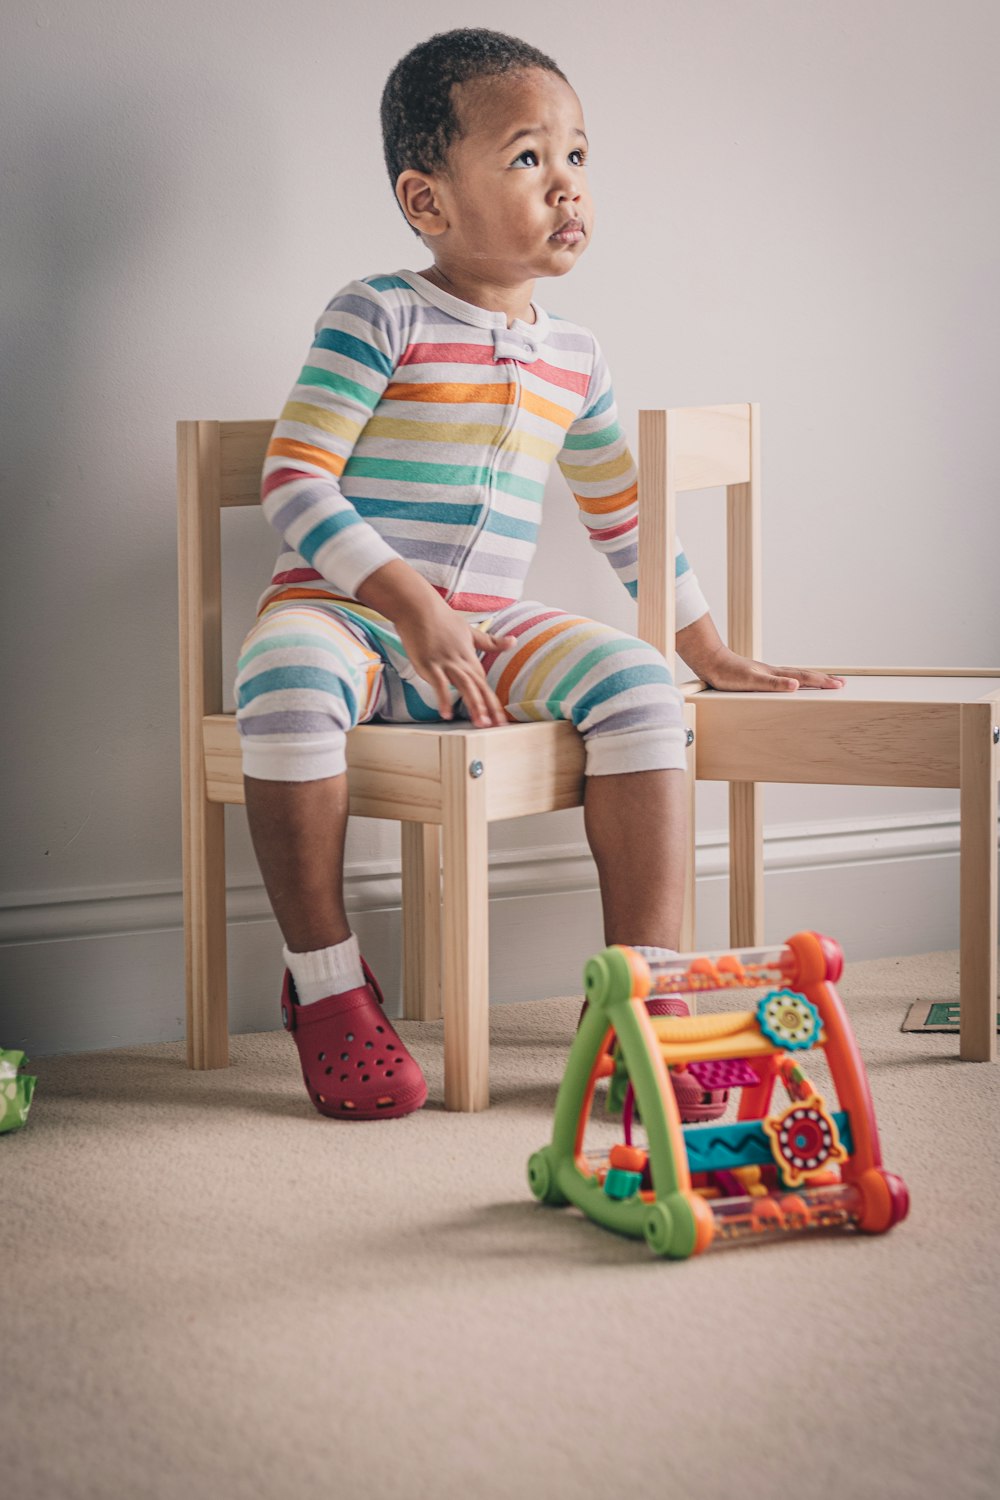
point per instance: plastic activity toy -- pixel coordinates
(16, 1090)
(777, 1169)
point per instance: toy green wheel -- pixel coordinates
(607, 977)
(670, 1227)
(542, 1180)
(658, 1228)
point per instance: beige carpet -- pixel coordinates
(210, 1291)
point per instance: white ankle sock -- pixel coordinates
(655, 955)
(326, 971)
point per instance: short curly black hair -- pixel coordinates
(419, 120)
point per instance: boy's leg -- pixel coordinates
(636, 826)
(298, 830)
(619, 693)
(304, 679)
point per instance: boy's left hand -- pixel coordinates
(730, 673)
(705, 652)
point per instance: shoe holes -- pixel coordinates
(380, 1062)
(384, 1103)
(346, 1104)
(343, 1077)
(379, 1028)
(359, 1065)
(322, 1056)
(390, 1046)
(328, 1069)
(344, 1056)
(350, 1036)
(388, 1072)
(369, 1046)
(364, 1077)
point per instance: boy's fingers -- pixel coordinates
(489, 703)
(484, 641)
(810, 679)
(491, 708)
(469, 681)
(473, 690)
(439, 683)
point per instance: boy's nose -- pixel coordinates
(564, 192)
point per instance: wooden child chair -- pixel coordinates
(444, 783)
(889, 726)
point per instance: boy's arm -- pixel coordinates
(600, 471)
(353, 355)
(348, 367)
(708, 656)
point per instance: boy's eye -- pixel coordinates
(530, 158)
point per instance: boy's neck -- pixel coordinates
(512, 301)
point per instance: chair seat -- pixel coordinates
(883, 728)
(394, 770)
(875, 731)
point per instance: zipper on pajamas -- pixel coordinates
(515, 407)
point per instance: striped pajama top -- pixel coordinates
(423, 428)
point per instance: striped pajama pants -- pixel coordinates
(310, 670)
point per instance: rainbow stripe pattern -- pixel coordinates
(422, 427)
(310, 670)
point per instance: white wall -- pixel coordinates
(796, 205)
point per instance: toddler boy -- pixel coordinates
(405, 477)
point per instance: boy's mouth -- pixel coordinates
(569, 233)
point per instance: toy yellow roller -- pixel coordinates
(770, 1173)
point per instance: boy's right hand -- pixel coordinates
(442, 648)
(439, 643)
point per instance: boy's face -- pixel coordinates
(514, 202)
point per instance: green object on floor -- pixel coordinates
(934, 1015)
(16, 1089)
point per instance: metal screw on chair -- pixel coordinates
(475, 768)
(689, 737)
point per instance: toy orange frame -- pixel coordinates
(769, 1174)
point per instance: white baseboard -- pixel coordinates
(103, 967)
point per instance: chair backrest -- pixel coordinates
(218, 464)
(697, 448)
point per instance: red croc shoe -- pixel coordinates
(354, 1064)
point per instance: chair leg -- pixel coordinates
(746, 864)
(689, 932)
(421, 848)
(978, 885)
(465, 945)
(205, 935)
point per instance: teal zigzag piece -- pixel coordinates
(715, 1148)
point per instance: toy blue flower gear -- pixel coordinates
(789, 1020)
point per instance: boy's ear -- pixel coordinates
(416, 195)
